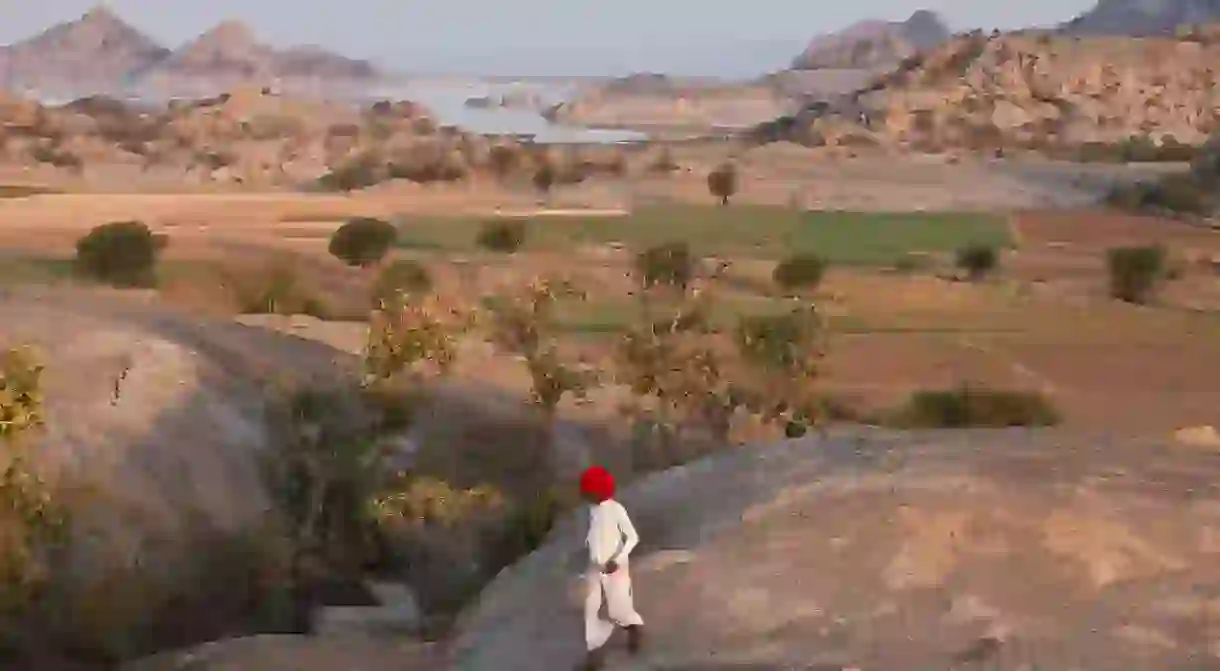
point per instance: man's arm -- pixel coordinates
(629, 535)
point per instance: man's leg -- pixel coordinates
(620, 604)
(597, 630)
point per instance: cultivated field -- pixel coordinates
(900, 320)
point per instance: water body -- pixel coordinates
(447, 100)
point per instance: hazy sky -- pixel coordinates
(560, 37)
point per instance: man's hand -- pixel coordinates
(610, 567)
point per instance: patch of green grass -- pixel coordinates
(851, 238)
(21, 270)
(24, 190)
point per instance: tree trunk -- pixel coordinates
(724, 201)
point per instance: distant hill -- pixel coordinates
(1143, 17)
(874, 43)
(100, 52)
(99, 48)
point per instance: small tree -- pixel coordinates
(413, 337)
(669, 264)
(544, 179)
(505, 235)
(722, 182)
(676, 373)
(664, 162)
(401, 276)
(122, 254)
(502, 160)
(32, 522)
(783, 353)
(802, 271)
(524, 325)
(362, 241)
(977, 260)
(1135, 272)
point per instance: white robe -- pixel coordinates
(611, 537)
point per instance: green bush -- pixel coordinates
(122, 254)
(722, 182)
(401, 276)
(352, 176)
(670, 264)
(545, 177)
(505, 236)
(802, 271)
(362, 241)
(1135, 272)
(977, 260)
(968, 406)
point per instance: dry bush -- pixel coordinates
(122, 254)
(974, 406)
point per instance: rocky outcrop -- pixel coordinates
(1038, 91)
(97, 51)
(1143, 17)
(892, 552)
(230, 53)
(872, 44)
(101, 53)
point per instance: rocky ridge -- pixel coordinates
(1036, 90)
(874, 43)
(101, 53)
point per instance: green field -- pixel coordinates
(853, 238)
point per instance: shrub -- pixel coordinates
(506, 236)
(664, 162)
(670, 264)
(977, 260)
(803, 271)
(1135, 272)
(402, 276)
(722, 182)
(968, 406)
(275, 289)
(122, 254)
(362, 241)
(351, 176)
(544, 178)
(784, 352)
(502, 160)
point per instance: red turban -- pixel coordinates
(597, 483)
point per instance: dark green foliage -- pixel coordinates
(977, 260)
(506, 236)
(968, 406)
(545, 177)
(122, 254)
(351, 177)
(1135, 272)
(401, 276)
(362, 241)
(803, 271)
(669, 264)
(722, 182)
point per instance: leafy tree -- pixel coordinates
(32, 521)
(722, 182)
(1135, 272)
(502, 160)
(122, 254)
(783, 353)
(544, 179)
(523, 324)
(401, 276)
(804, 271)
(362, 241)
(504, 235)
(977, 260)
(669, 264)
